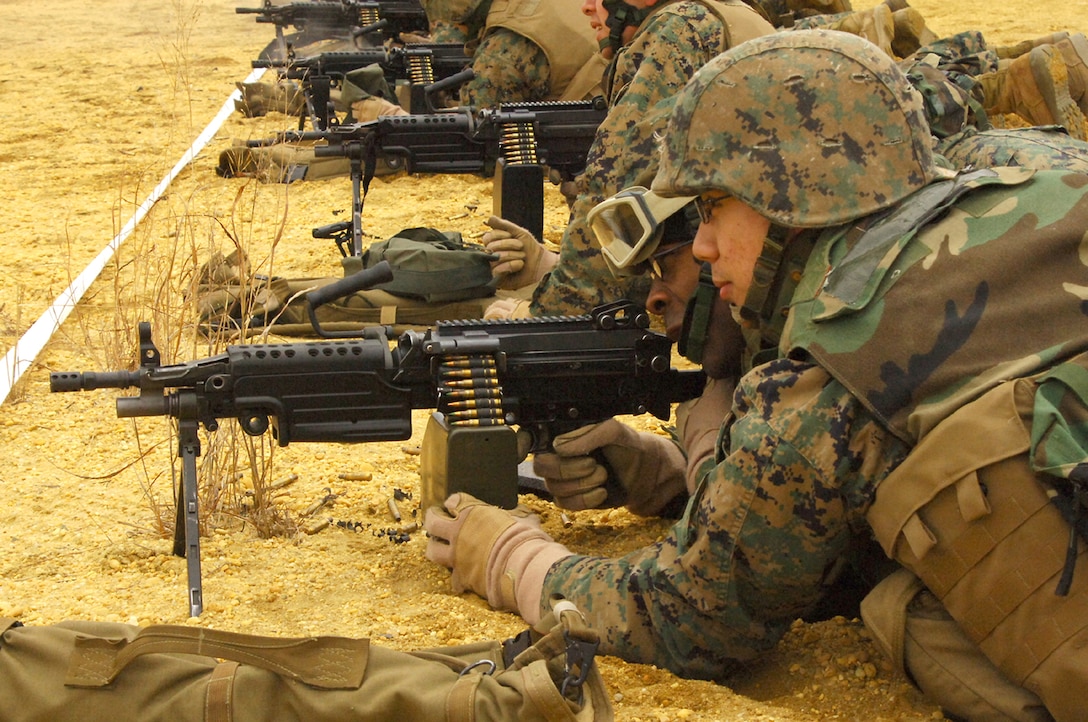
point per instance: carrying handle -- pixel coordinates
(323, 662)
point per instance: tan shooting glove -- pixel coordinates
(698, 424)
(649, 467)
(507, 309)
(373, 107)
(492, 552)
(523, 260)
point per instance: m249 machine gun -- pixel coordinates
(363, 22)
(408, 69)
(514, 142)
(546, 376)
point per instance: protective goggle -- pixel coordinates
(629, 225)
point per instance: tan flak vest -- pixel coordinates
(740, 21)
(966, 513)
(561, 31)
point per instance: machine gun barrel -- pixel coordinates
(91, 380)
(422, 63)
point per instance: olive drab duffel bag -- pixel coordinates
(432, 266)
(436, 277)
(89, 671)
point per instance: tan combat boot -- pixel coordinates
(1074, 50)
(1034, 87)
(807, 8)
(260, 98)
(876, 25)
(911, 32)
(1025, 46)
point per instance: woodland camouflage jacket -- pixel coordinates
(916, 324)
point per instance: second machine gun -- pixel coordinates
(514, 142)
(359, 21)
(409, 68)
(547, 376)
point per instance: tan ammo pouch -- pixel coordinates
(916, 632)
(86, 671)
(966, 513)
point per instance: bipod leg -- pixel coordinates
(187, 525)
(356, 205)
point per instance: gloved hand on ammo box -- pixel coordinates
(503, 556)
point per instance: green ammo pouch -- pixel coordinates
(432, 266)
(90, 671)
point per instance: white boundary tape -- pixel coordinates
(19, 358)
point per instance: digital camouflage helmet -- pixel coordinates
(811, 128)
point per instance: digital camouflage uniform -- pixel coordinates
(670, 45)
(508, 67)
(454, 21)
(522, 50)
(902, 315)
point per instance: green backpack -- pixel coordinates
(432, 266)
(437, 277)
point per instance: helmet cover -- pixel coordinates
(811, 128)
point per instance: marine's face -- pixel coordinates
(730, 239)
(670, 291)
(598, 17)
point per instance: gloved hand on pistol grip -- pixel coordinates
(492, 552)
(372, 107)
(698, 424)
(523, 260)
(649, 467)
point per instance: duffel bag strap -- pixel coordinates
(323, 662)
(220, 695)
(570, 640)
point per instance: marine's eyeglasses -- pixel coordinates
(705, 207)
(654, 261)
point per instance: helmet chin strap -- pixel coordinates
(620, 17)
(758, 307)
(767, 304)
(697, 314)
